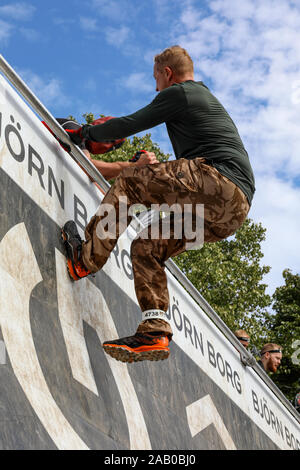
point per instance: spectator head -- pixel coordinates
(271, 355)
(243, 337)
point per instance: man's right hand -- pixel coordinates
(146, 158)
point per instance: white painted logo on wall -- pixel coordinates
(19, 274)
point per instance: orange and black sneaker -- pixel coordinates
(73, 245)
(139, 347)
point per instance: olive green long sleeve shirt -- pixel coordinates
(198, 126)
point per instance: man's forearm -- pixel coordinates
(110, 170)
(119, 128)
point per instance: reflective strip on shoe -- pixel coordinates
(77, 270)
(71, 271)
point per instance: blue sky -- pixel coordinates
(97, 56)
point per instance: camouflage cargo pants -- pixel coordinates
(184, 183)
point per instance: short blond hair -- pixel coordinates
(270, 347)
(241, 333)
(177, 59)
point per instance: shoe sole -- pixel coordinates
(70, 266)
(125, 355)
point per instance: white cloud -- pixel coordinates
(64, 22)
(18, 11)
(249, 53)
(117, 36)
(12, 13)
(5, 31)
(90, 84)
(30, 34)
(106, 8)
(88, 24)
(47, 91)
(277, 208)
(118, 11)
(138, 82)
(234, 9)
(164, 9)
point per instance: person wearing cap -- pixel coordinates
(243, 337)
(271, 355)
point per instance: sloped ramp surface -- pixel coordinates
(58, 389)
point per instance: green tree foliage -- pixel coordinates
(229, 276)
(285, 331)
